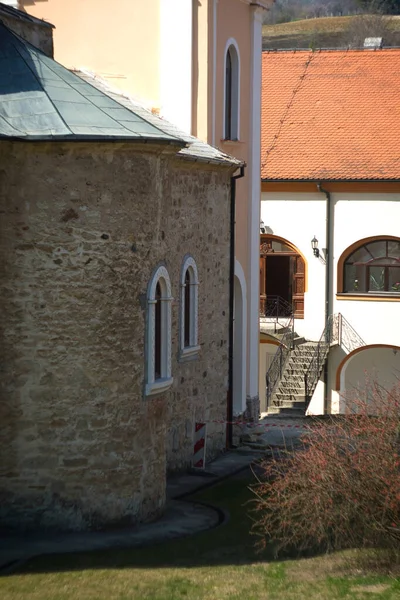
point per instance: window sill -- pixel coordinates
(159, 386)
(232, 142)
(384, 297)
(189, 353)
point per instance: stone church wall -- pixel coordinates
(82, 228)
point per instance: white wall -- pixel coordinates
(297, 218)
(357, 216)
(176, 62)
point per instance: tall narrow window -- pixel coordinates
(187, 309)
(158, 348)
(232, 93)
(189, 346)
(228, 96)
(157, 333)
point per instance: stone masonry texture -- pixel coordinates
(82, 227)
(36, 33)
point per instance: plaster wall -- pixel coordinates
(118, 41)
(298, 217)
(357, 216)
(81, 445)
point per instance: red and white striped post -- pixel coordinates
(199, 451)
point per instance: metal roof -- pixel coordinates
(42, 100)
(195, 149)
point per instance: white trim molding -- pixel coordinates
(235, 108)
(192, 350)
(253, 282)
(152, 385)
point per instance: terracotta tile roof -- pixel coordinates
(331, 114)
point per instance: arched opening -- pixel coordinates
(364, 369)
(232, 91)
(282, 278)
(370, 266)
(158, 346)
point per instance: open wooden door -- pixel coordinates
(298, 286)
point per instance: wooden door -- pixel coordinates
(298, 286)
(263, 292)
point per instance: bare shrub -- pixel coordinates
(364, 26)
(342, 490)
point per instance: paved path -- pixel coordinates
(181, 518)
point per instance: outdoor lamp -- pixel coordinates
(262, 226)
(314, 246)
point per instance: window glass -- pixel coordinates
(394, 279)
(157, 342)
(377, 249)
(376, 279)
(187, 309)
(394, 249)
(374, 267)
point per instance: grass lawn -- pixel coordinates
(214, 565)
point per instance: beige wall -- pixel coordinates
(118, 40)
(80, 444)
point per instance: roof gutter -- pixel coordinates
(328, 269)
(229, 411)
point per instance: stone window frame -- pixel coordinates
(157, 386)
(191, 351)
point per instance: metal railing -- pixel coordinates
(275, 308)
(338, 331)
(274, 373)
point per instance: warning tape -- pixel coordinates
(259, 424)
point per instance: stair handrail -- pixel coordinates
(337, 331)
(349, 339)
(329, 336)
(275, 307)
(274, 373)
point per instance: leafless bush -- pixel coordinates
(343, 489)
(363, 26)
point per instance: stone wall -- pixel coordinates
(82, 228)
(36, 32)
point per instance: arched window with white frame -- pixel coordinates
(189, 345)
(232, 91)
(158, 347)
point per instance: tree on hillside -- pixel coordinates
(387, 7)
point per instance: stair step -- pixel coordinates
(292, 412)
(291, 397)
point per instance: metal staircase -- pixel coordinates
(296, 369)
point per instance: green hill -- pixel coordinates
(332, 32)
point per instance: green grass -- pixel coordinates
(220, 564)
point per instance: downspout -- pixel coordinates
(327, 282)
(229, 412)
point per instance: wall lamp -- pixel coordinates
(262, 226)
(314, 246)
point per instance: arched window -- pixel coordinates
(158, 350)
(371, 266)
(189, 308)
(232, 92)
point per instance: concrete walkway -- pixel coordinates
(181, 518)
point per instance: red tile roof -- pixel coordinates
(331, 114)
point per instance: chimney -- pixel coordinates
(35, 31)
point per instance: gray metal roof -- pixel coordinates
(195, 149)
(42, 100)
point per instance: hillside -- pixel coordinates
(332, 32)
